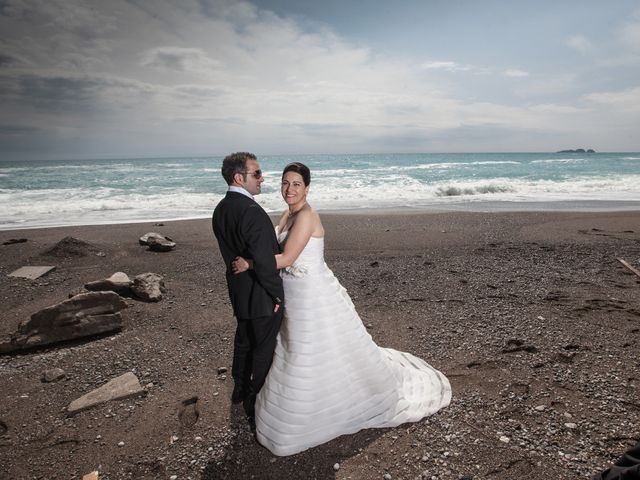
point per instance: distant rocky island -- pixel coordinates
(577, 150)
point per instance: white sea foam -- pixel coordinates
(561, 160)
(142, 191)
(405, 191)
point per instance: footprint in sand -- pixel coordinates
(189, 413)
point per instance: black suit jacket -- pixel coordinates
(243, 228)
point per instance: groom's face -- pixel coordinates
(253, 178)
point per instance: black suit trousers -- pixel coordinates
(254, 344)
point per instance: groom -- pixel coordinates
(243, 228)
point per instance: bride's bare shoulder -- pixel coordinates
(314, 218)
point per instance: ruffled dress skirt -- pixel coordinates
(328, 377)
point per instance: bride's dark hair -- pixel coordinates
(300, 168)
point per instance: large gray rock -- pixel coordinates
(83, 315)
(160, 244)
(148, 287)
(119, 282)
(124, 386)
(144, 239)
(157, 242)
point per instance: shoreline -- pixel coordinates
(563, 206)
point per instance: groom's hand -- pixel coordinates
(239, 265)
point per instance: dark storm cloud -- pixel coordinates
(17, 130)
(8, 60)
(70, 93)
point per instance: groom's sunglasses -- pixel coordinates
(256, 174)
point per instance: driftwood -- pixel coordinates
(626, 264)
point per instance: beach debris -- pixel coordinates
(53, 375)
(124, 386)
(11, 241)
(148, 287)
(72, 247)
(32, 272)
(626, 264)
(83, 315)
(157, 242)
(518, 345)
(91, 476)
(119, 282)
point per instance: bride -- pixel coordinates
(328, 377)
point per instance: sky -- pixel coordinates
(144, 78)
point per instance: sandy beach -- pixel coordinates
(530, 315)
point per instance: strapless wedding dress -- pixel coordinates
(328, 377)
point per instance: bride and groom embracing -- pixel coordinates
(304, 365)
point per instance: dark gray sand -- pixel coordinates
(530, 315)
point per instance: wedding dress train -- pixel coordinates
(328, 377)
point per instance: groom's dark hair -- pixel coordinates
(235, 163)
(301, 169)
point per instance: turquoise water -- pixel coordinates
(51, 193)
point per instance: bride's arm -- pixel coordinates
(297, 238)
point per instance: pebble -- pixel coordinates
(173, 477)
(336, 466)
(540, 408)
(504, 439)
(387, 476)
(121, 444)
(571, 425)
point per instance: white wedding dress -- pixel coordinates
(328, 377)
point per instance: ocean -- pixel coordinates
(82, 192)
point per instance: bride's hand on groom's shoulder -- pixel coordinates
(239, 265)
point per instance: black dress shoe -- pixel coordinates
(238, 395)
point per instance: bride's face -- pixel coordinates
(293, 189)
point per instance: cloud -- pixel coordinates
(548, 85)
(629, 33)
(627, 100)
(17, 130)
(446, 66)
(180, 59)
(62, 92)
(579, 43)
(75, 16)
(516, 73)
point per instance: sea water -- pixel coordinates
(78, 192)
